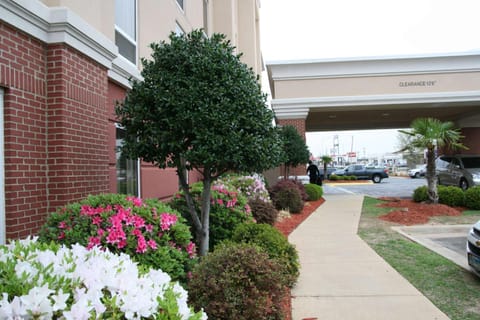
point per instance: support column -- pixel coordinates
(471, 140)
(299, 124)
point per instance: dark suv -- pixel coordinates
(458, 170)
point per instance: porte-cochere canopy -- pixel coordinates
(378, 93)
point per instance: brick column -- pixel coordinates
(77, 136)
(299, 124)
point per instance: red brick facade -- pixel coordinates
(55, 128)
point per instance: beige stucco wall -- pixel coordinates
(237, 19)
(372, 85)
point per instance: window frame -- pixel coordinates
(181, 4)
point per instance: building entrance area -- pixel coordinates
(378, 93)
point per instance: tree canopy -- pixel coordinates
(199, 107)
(295, 149)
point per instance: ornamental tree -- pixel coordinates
(199, 108)
(431, 134)
(294, 147)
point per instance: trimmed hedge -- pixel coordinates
(314, 191)
(472, 198)
(275, 244)
(451, 196)
(286, 195)
(263, 212)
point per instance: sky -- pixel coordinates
(321, 29)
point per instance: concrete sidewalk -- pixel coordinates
(341, 277)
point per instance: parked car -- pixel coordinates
(303, 179)
(330, 170)
(418, 172)
(473, 247)
(458, 170)
(363, 172)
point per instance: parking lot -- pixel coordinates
(448, 241)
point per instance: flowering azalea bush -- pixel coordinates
(252, 186)
(151, 232)
(228, 208)
(49, 281)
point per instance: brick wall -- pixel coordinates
(23, 74)
(55, 128)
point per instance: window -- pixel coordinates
(126, 29)
(127, 169)
(178, 29)
(180, 4)
(205, 16)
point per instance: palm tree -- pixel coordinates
(430, 134)
(326, 160)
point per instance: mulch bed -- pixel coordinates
(411, 213)
(286, 226)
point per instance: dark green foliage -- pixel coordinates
(89, 223)
(294, 146)
(420, 194)
(263, 211)
(275, 244)
(199, 107)
(314, 191)
(238, 281)
(472, 198)
(228, 209)
(451, 196)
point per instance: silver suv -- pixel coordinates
(458, 170)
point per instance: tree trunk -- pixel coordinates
(205, 231)
(431, 176)
(188, 197)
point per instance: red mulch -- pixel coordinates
(411, 213)
(286, 226)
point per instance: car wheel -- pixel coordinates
(463, 184)
(376, 178)
(417, 175)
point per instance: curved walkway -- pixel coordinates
(341, 277)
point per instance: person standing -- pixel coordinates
(313, 172)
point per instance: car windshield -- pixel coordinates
(470, 163)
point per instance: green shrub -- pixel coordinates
(275, 244)
(263, 212)
(472, 198)
(227, 210)
(289, 183)
(288, 199)
(314, 191)
(286, 195)
(237, 281)
(149, 231)
(420, 194)
(451, 196)
(333, 177)
(353, 178)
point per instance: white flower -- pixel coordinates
(60, 300)
(37, 303)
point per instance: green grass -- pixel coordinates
(452, 289)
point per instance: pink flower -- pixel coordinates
(167, 220)
(220, 202)
(149, 228)
(62, 225)
(231, 203)
(141, 245)
(61, 235)
(122, 244)
(152, 244)
(97, 220)
(137, 202)
(191, 249)
(92, 242)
